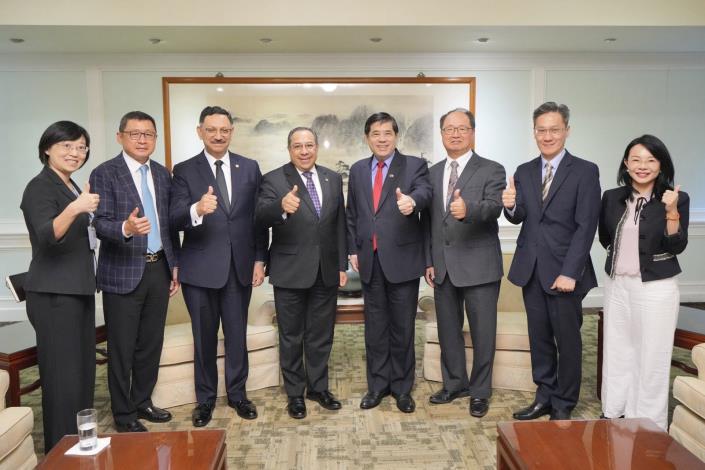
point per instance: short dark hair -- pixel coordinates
(466, 112)
(553, 107)
(300, 129)
(658, 149)
(212, 110)
(62, 131)
(136, 116)
(381, 118)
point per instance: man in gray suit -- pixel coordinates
(464, 260)
(303, 203)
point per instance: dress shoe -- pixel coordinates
(533, 411)
(479, 407)
(133, 426)
(296, 407)
(372, 399)
(245, 408)
(325, 399)
(154, 414)
(405, 403)
(202, 414)
(444, 396)
(557, 414)
(602, 416)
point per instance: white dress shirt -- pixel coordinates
(462, 163)
(196, 219)
(316, 184)
(134, 167)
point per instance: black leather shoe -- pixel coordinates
(559, 414)
(479, 407)
(296, 407)
(372, 399)
(134, 426)
(202, 414)
(154, 414)
(245, 408)
(405, 403)
(533, 411)
(325, 399)
(602, 416)
(444, 396)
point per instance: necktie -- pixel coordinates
(222, 186)
(546, 181)
(153, 240)
(376, 195)
(311, 188)
(452, 180)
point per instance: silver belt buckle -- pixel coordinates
(152, 257)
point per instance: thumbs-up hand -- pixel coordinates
(86, 202)
(208, 203)
(135, 225)
(405, 203)
(458, 209)
(291, 200)
(509, 195)
(670, 199)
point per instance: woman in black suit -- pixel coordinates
(60, 284)
(643, 226)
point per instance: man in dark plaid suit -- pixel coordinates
(137, 268)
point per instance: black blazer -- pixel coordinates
(62, 266)
(657, 250)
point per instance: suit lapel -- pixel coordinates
(367, 182)
(437, 182)
(56, 179)
(560, 176)
(126, 181)
(161, 195)
(393, 179)
(327, 190)
(204, 169)
(535, 178)
(294, 178)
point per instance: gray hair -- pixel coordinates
(466, 112)
(299, 129)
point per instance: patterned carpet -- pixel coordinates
(434, 437)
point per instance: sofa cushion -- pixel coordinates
(691, 392)
(512, 332)
(688, 429)
(16, 423)
(22, 458)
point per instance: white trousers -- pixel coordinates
(639, 324)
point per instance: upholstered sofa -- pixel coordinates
(512, 363)
(175, 384)
(16, 423)
(688, 425)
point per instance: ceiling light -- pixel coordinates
(610, 40)
(17, 40)
(265, 40)
(375, 39)
(155, 41)
(482, 40)
(220, 89)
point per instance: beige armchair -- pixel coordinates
(688, 425)
(175, 384)
(16, 423)
(512, 363)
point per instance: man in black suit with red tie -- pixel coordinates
(386, 193)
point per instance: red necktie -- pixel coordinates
(376, 195)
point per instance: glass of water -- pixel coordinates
(87, 421)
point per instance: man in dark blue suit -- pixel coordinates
(556, 197)
(386, 193)
(213, 201)
(137, 268)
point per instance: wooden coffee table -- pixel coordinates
(596, 444)
(175, 450)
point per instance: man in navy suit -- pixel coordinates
(214, 196)
(137, 268)
(386, 193)
(556, 197)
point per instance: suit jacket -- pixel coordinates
(400, 247)
(556, 235)
(121, 262)
(467, 250)
(657, 250)
(304, 242)
(223, 238)
(62, 266)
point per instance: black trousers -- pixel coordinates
(208, 307)
(135, 327)
(554, 323)
(306, 319)
(65, 328)
(480, 302)
(390, 312)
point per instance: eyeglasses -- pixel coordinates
(68, 148)
(462, 130)
(211, 131)
(554, 131)
(300, 147)
(136, 135)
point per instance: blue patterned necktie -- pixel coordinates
(153, 241)
(311, 188)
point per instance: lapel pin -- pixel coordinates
(326, 179)
(391, 175)
(237, 166)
